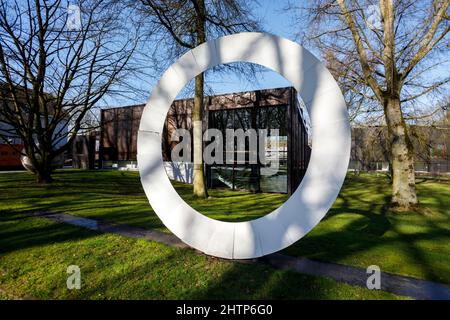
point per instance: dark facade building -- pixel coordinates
(84, 151)
(262, 109)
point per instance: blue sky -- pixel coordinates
(274, 20)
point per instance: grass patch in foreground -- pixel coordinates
(35, 253)
(357, 231)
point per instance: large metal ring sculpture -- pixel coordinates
(324, 176)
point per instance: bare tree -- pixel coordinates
(185, 24)
(54, 68)
(386, 53)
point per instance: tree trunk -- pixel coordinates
(255, 175)
(43, 177)
(197, 115)
(402, 158)
(44, 172)
(42, 165)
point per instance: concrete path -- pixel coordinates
(400, 285)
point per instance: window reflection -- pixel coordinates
(248, 176)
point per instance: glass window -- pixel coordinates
(248, 176)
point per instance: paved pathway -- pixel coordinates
(400, 285)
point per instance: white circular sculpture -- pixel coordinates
(325, 173)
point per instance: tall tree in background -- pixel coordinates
(185, 24)
(385, 52)
(56, 63)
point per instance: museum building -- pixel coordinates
(268, 109)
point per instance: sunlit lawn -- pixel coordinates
(35, 254)
(357, 231)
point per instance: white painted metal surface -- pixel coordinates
(324, 176)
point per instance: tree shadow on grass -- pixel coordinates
(376, 221)
(15, 235)
(359, 235)
(252, 281)
(365, 229)
(260, 281)
(163, 278)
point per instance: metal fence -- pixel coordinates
(434, 167)
(437, 167)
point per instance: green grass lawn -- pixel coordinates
(35, 253)
(357, 231)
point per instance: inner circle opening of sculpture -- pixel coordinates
(322, 180)
(256, 144)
